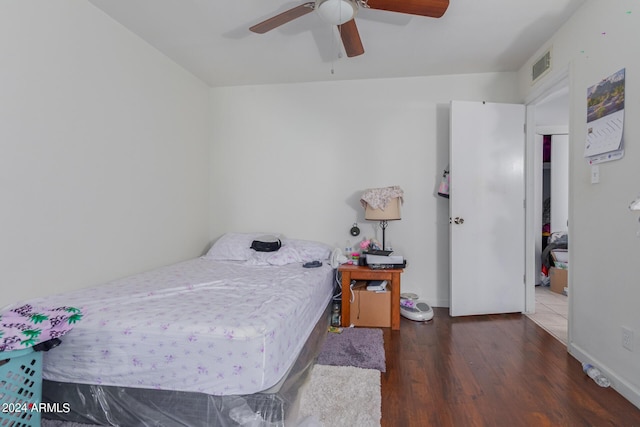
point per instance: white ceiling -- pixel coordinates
(211, 38)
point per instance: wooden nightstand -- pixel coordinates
(355, 272)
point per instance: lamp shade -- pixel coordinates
(389, 213)
(337, 12)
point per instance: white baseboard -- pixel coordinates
(628, 391)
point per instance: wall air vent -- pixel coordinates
(541, 67)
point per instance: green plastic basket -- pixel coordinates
(20, 388)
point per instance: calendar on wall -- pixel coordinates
(605, 119)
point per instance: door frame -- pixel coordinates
(533, 179)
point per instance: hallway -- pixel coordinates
(551, 312)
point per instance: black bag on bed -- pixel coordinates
(266, 244)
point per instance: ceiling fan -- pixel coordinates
(342, 13)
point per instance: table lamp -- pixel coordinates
(390, 212)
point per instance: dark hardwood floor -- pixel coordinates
(496, 370)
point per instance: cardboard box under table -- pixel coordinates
(558, 275)
(370, 308)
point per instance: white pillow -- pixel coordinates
(292, 251)
(258, 258)
(286, 255)
(233, 247)
(308, 250)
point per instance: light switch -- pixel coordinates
(595, 174)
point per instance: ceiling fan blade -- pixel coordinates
(283, 18)
(351, 38)
(430, 8)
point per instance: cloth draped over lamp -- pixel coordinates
(382, 204)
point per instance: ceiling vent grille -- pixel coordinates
(541, 67)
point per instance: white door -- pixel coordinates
(486, 208)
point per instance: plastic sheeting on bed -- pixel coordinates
(131, 407)
(197, 343)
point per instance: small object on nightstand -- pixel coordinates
(379, 252)
(355, 258)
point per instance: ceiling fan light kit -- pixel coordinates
(337, 12)
(342, 12)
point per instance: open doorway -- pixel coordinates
(547, 177)
(551, 294)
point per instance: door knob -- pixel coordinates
(458, 220)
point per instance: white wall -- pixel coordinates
(104, 148)
(597, 41)
(296, 158)
(559, 183)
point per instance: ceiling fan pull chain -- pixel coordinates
(335, 46)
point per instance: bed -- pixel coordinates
(218, 340)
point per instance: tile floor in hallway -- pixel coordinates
(551, 312)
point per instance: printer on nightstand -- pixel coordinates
(385, 261)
